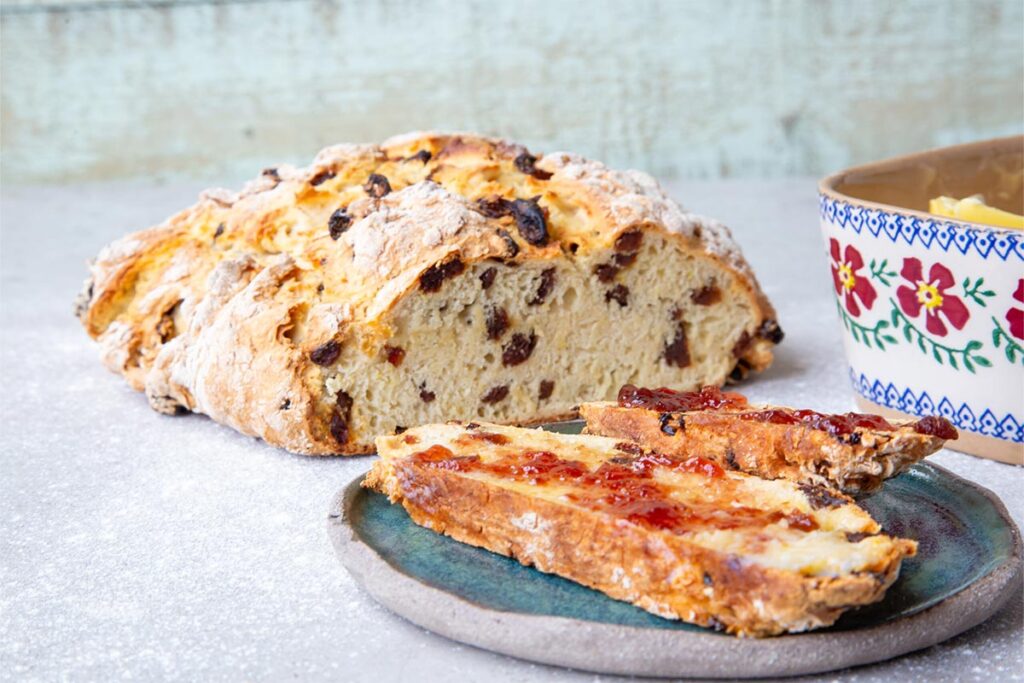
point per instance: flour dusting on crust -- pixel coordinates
(391, 232)
(637, 198)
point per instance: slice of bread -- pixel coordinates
(852, 452)
(681, 538)
(433, 277)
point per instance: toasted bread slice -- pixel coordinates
(681, 538)
(852, 452)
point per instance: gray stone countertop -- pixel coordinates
(139, 546)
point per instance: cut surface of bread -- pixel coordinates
(852, 452)
(679, 537)
(433, 277)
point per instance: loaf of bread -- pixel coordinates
(432, 277)
(680, 537)
(852, 452)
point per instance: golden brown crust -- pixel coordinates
(217, 310)
(857, 463)
(661, 572)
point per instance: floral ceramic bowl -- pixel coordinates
(932, 309)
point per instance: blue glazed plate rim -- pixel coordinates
(925, 470)
(669, 651)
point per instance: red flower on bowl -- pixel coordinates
(931, 295)
(1015, 316)
(850, 285)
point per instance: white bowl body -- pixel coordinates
(932, 314)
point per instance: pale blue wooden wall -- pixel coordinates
(733, 88)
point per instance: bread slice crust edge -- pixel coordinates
(797, 452)
(656, 571)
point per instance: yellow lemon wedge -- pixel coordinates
(975, 210)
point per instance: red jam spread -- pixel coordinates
(848, 423)
(489, 437)
(836, 425)
(624, 487)
(670, 401)
(936, 426)
(711, 398)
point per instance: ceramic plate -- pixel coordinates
(967, 567)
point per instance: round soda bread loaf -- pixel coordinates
(433, 277)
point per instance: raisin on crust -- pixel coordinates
(295, 287)
(681, 538)
(854, 453)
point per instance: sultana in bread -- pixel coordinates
(429, 278)
(680, 537)
(852, 452)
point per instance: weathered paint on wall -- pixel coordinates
(217, 90)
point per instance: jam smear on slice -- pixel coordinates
(440, 458)
(836, 425)
(711, 398)
(669, 400)
(936, 426)
(537, 466)
(624, 487)
(490, 437)
(698, 465)
(846, 424)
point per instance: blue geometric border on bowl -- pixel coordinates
(977, 419)
(930, 234)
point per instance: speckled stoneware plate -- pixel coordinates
(968, 565)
